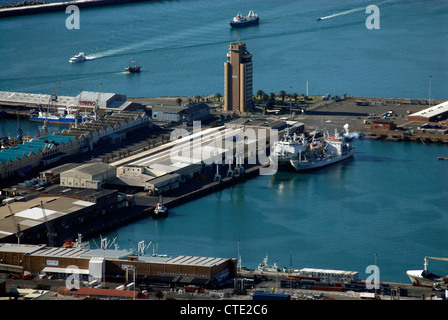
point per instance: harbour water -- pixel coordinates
(390, 200)
(182, 46)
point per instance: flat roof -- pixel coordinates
(20, 248)
(431, 111)
(29, 213)
(196, 261)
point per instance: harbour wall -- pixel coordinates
(59, 6)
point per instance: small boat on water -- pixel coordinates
(160, 210)
(80, 57)
(134, 68)
(240, 21)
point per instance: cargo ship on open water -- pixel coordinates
(306, 153)
(239, 21)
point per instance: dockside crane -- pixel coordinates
(51, 235)
(19, 233)
(97, 106)
(432, 258)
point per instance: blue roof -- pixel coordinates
(32, 146)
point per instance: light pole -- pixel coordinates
(430, 78)
(334, 95)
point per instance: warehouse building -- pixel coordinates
(431, 114)
(106, 264)
(177, 114)
(61, 209)
(90, 176)
(35, 152)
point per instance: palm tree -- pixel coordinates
(283, 95)
(265, 97)
(272, 95)
(179, 101)
(260, 93)
(295, 96)
(219, 96)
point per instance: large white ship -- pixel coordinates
(301, 153)
(425, 277)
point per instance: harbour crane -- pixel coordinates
(97, 107)
(432, 258)
(53, 99)
(19, 233)
(51, 235)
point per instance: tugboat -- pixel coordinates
(161, 210)
(134, 68)
(80, 57)
(239, 21)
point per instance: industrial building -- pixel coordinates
(56, 212)
(85, 101)
(238, 78)
(111, 127)
(431, 114)
(178, 114)
(91, 176)
(35, 152)
(383, 124)
(104, 264)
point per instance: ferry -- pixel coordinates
(80, 57)
(302, 154)
(239, 21)
(161, 210)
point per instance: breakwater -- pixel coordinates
(39, 7)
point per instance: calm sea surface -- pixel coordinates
(390, 200)
(182, 47)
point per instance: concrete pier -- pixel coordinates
(60, 6)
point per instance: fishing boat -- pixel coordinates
(80, 57)
(265, 267)
(240, 21)
(65, 116)
(133, 68)
(309, 153)
(160, 210)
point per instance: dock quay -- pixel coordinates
(59, 6)
(102, 188)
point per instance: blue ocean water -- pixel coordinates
(390, 200)
(182, 47)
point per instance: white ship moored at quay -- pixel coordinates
(304, 153)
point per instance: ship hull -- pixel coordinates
(310, 166)
(418, 278)
(305, 166)
(243, 24)
(57, 121)
(160, 214)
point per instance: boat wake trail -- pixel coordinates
(343, 13)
